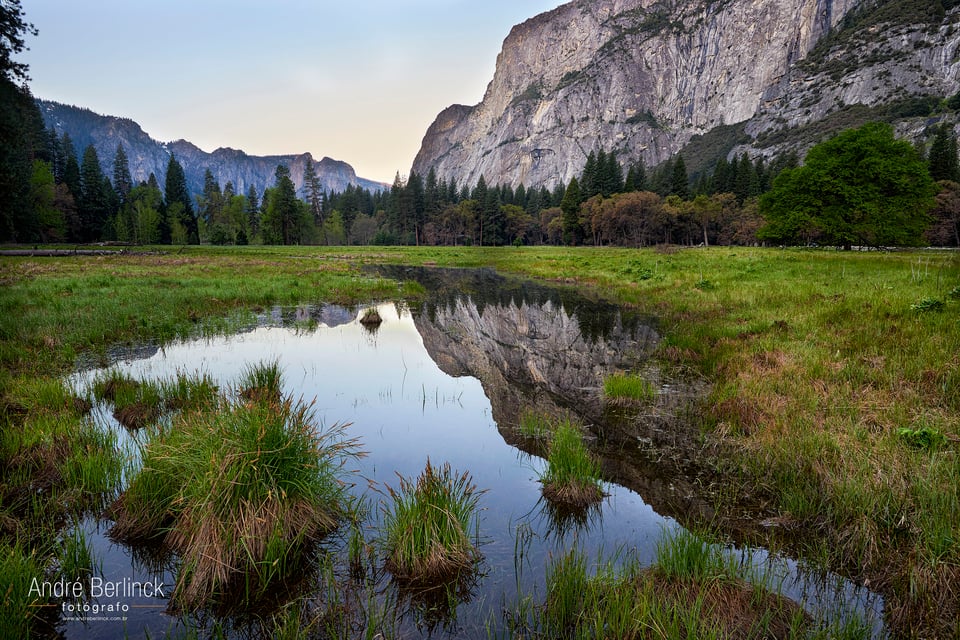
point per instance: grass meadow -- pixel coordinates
(833, 403)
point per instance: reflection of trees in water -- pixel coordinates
(485, 287)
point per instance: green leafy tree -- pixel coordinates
(862, 186)
(141, 217)
(50, 220)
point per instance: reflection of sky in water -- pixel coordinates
(404, 409)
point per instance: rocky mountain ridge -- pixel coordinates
(146, 155)
(645, 78)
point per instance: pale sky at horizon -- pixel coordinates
(358, 82)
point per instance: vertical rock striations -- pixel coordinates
(642, 77)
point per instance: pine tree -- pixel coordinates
(211, 204)
(570, 205)
(679, 181)
(418, 198)
(13, 28)
(55, 151)
(611, 176)
(589, 182)
(253, 210)
(943, 155)
(92, 204)
(492, 223)
(636, 179)
(175, 193)
(122, 181)
(744, 179)
(280, 220)
(71, 166)
(313, 191)
(722, 177)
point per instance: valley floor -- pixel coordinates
(833, 412)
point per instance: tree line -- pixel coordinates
(742, 201)
(861, 187)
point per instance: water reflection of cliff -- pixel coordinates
(549, 349)
(529, 345)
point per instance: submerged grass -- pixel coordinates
(429, 528)
(241, 492)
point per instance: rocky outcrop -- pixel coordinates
(642, 78)
(146, 155)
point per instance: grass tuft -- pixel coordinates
(628, 389)
(428, 524)
(240, 492)
(572, 476)
(626, 600)
(262, 382)
(371, 318)
(20, 609)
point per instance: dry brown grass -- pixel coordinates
(218, 551)
(733, 607)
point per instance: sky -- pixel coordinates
(356, 81)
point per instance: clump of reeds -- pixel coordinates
(262, 382)
(572, 476)
(189, 392)
(75, 557)
(628, 389)
(136, 403)
(428, 524)
(693, 591)
(239, 492)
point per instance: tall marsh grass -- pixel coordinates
(429, 527)
(241, 492)
(572, 476)
(693, 590)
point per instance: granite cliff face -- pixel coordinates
(643, 77)
(146, 155)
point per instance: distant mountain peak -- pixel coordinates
(146, 155)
